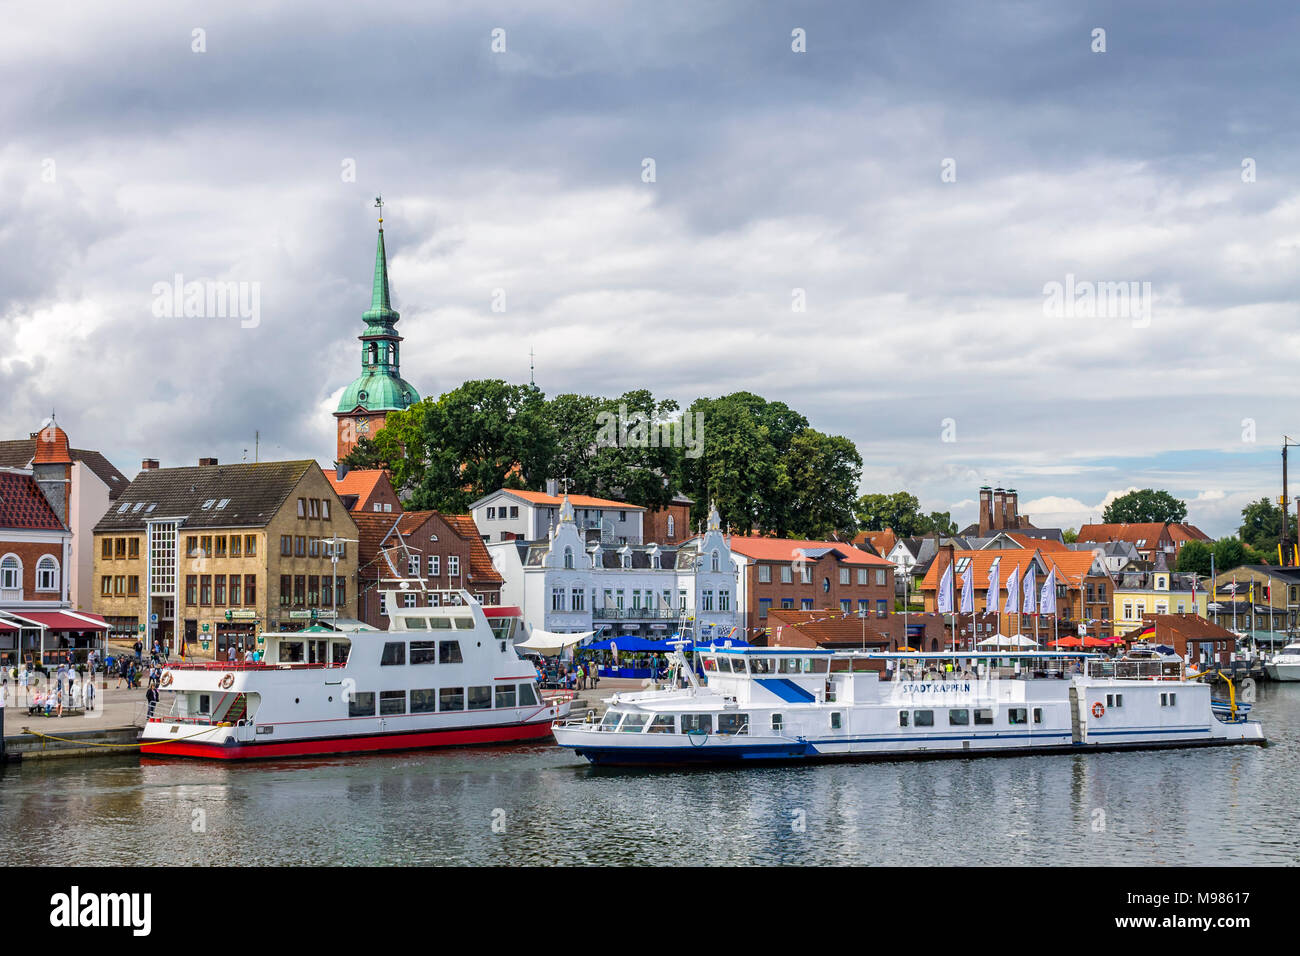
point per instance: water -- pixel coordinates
(1232, 806)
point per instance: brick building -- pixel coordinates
(440, 552)
(1192, 637)
(218, 553)
(668, 525)
(791, 574)
(365, 490)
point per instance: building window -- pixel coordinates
(724, 599)
(220, 551)
(383, 604)
(313, 507)
(576, 599)
(864, 607)
(47, 573)
(205, 589)
(119, 548)
(219, 590)
(846, 605)
(453, 565)
(492, 513)
(785, 574)
(805, 574)
(764, 605)
(715, 565)
(434, 561)
(236, 595)
(286, 545)
(862, 575)
(299, 590)
(880, 577)
(302, 507)
(325, 509)
(806, 604)
(671, 527)
(514, 511)
(133, 549)
(764, 574)
(107, 550)
(286, 590)
(787, 604)
(844, 575)
(706, 599)
(300, 546)
(235, 542)
(568, 558)
(191, 589)
(882, 608)
(413, 566)
(557, 599)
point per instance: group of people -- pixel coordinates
(67, 690)
(575, 675)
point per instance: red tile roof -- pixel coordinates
(1149, 532)
(51, 447)
(786, 549)
(360, 482)
(23, 506)
(882, 541)
(1181, 531)
(578, 501)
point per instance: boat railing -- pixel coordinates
(1153, 669)
(250, 666)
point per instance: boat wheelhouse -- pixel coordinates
(798, 704)
(440, 676)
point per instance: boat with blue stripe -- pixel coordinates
(765, 704)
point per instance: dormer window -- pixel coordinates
(568, 558)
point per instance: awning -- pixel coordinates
(6, 626)
(548, 643)
(1007, 640)
(347, 624)
(62, 620)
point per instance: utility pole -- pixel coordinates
(1284, 556)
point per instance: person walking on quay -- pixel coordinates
(88, 692)
(151, 695)
(25, 679)
(139, 651)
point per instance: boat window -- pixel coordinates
(697, 723)
(506, 696)
(451, 698)
(415, 623)
(394, 653)
(778, 723)
(983, 717)
(816, 665)
(762, 665)
(633, 723)
(527, 696)
(205, 704)
(449, 652)
(662, 724)
(362, 704)
(958, 718)
(291, 652)
(392, 702)
(610, 720)
(710, 664)
(788, 665)
(737, 665)
(1038, 715)
(837, 720)
(480, 698)
(1017, 715)
(424, 652)
(440, 624)
(923, 718)
(1114, 700)
(339, 652)
(733, 723)
(464, 623)
(424, 701)
(902, 718)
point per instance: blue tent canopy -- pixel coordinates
(632, 645)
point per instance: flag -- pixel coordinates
(1047, 599)
(1013, 592)
(945, 591)
(995, 572)
(968, 588)
(1027, 599)
(182, 646)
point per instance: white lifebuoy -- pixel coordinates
(1098, 709)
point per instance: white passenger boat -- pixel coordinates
(1285, 664)
(440, 676)
(801, 704)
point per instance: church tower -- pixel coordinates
(380, 388)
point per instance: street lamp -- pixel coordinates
(334, 574)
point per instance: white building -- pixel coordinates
(566, 583)
(509, 514)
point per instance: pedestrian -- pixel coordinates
(139, 651)
(151, 695)
(230, 654)
(59, 712)
(25, 679)
(89, 692)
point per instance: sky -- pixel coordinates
(868, 228)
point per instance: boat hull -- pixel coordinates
(1283, 672)
(333, 746)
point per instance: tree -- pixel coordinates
(1229, 553)
(1071, 535)
(939, 522)
(1147, 505)
(1261, 527)
(899, 511)
(1195, 556)
(823, 472)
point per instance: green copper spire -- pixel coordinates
(380, 386)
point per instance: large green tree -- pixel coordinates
(1147, 505)
(822, 473)
(901, 511)
(1195, 556)
(1261, 527)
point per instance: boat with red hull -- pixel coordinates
(443, 676)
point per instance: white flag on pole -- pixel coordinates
(995, 573)
(1028, 598)
(1047, 599)
(1013, 592)
(968, 588)
(945, 591)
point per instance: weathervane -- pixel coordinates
(379, 204)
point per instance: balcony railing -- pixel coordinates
(640, 613)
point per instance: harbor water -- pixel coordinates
(541, 805)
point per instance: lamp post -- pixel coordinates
(334, 574)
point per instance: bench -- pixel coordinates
(34, 711)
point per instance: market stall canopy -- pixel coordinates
(549, 644)
(1007, 640)
(62, 620)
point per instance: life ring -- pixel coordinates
(1098, 709)
(226, 681)
(166, 679)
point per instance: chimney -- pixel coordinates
(1013, 509)
(553, 487)
(340, 471)
(204, 462)
(149, 464)
(986, 510)
(999, 509)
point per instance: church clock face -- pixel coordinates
(363, 426)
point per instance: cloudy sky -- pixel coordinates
(922, 172)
